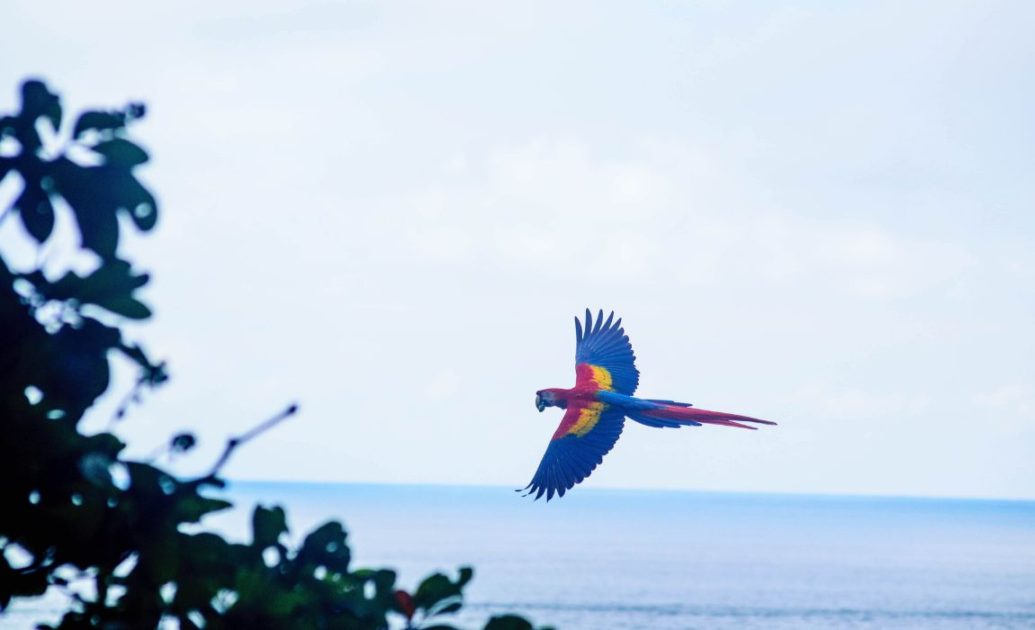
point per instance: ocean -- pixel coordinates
(600, 559)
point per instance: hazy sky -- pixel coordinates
(817, 213)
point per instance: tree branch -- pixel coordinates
(234, 442)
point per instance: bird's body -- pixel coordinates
(596, 408)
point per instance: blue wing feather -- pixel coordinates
(668, 402)
(571, 459)
(659, 423)
(606, 344)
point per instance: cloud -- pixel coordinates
(833, 403)
(442, 384)
(1010, 406)
(556, 207)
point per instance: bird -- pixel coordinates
(596, 408)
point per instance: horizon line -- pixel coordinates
(858, 495)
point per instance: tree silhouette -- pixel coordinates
(77, 516)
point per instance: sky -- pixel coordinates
(816, 213)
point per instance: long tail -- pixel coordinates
(669, 414)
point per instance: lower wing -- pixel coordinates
(586, 433)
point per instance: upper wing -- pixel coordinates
(586, 433)
(605, 345)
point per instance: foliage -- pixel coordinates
(121, 537)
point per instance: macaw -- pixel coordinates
(596, 408)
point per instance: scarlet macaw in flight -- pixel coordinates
(596, 408)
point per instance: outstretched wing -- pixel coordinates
(604, 345)
(586, 433)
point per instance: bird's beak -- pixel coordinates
(539, 404)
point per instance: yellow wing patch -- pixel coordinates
(602, 376)
(588, 417)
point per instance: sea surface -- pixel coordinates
(600, 559)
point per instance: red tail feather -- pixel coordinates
(704, 416)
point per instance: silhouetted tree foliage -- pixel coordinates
(119, 536)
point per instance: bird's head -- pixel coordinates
(548, 398)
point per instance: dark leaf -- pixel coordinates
(96, 469)
(121, 152)
(160, 558)
(136, 110)
(268, 525)
(145, 213)
(98, 229)
(508, 622)
(191, 507)
(93, 336)
(384, 580)
(8, 124)
(151, 487)
(53, 114)
(79, 372)
(326, 546)
(435, 589)
(156, 374)
(99, 121)
(106, 444)
(36, 211)
(96, 193)
(129, 308)
(182, 442)
(110, 286)
(127, 193)
(40, 102)
(89, 192)
(68, 287)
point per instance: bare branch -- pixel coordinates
(249, 435)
